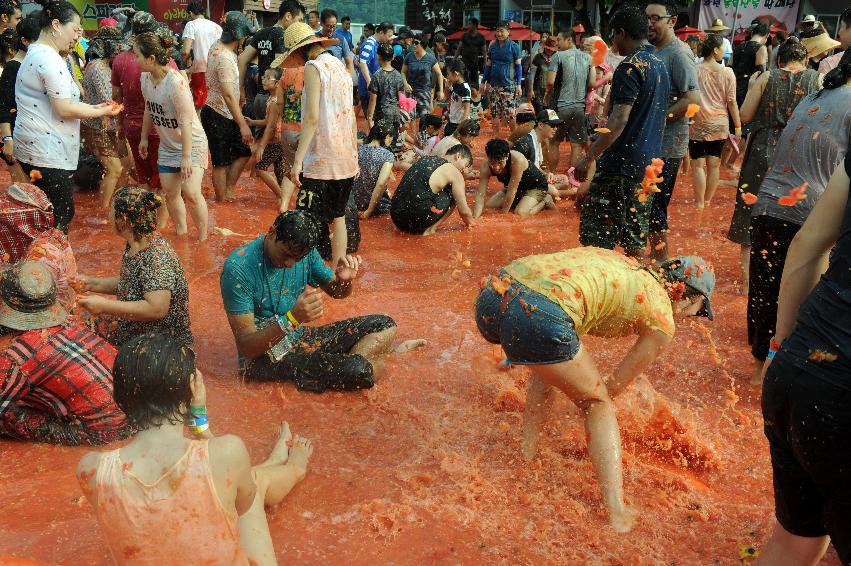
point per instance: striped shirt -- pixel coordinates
(369, 56)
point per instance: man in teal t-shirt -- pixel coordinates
(271, 287)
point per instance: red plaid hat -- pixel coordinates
(25, 212)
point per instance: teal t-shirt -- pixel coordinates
(251, 284)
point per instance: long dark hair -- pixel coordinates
(839, 75)
(790, 50)
(56, 10)
(152, 380)
(709, 44)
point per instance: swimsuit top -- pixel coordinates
(533, 178)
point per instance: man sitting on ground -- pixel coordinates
(55, 377)
(526, 186)
(271, 287)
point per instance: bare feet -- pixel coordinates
(549, 203)
(281, 452)
(409, 345)
(300, 452)
(623, 521)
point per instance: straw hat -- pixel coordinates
(717, 25)
(298, 35)
(818, 44)
(28, 294)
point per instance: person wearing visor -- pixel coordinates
(538, 307)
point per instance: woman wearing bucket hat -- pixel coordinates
(818, 47)
(538, 307)
(101, 136)
(326, 161)
(227, 131)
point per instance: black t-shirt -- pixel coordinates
(471, 46)
(269, 43)
(744, 65)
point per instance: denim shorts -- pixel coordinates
(168, 169)
(532, 329)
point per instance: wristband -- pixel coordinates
(773, 347)
(200, 429)
(284, 324)
(292, 319)
(738, 130)
(200, 420)
(8, 138)
(197, 410)
(770, 355)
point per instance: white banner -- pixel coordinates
(738, 14)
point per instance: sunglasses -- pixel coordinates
(656, 19)
(417, 42)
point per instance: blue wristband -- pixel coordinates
(771, 354)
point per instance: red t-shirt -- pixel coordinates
(126, 74)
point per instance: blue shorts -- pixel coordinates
(532, 329)
(167, 169)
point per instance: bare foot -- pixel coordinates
(409, 345)
(549, 203)
(623, 521)
(281, 451)
(300, 452)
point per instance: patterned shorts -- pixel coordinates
(612, 215)
(502, 101)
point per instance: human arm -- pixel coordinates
(184, 107)
(533, 70)
(251, 342)
(466, 115)
(231, 466)
(349, 60)
(641, 356)
(484, 177)
(230, 93)
(186, 44)
(408, 88)
(340, 285)
(309, 120)
(154, 306)
(107, 285)
(370, 112)
(380, 188)
(247, 55)
(518, 76)
(592, 79)
(7, 106)
(143, 137)
(519, 164)
(732, 106)
(441, 94)
(87, 476)
(616, 124)
(761, 58)
(459, 195)
(274, 112)
(751, 104)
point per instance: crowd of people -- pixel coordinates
(336, 121)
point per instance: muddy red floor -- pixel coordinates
(425, 468)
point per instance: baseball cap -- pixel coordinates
(548, 116)
(697, 275)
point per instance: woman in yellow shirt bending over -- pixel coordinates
(539, 306)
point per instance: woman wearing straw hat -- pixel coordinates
(719, 28)
(326, 160)
(818, 47)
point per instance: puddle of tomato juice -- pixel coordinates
(425, 468)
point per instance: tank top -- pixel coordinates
(744, 65)
(333, 151)
(533, 178)
(189, 525)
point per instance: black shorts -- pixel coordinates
(808, 426)
(326, 198)
(223, 137)
(698, 149)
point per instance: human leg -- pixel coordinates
(786, 549)
(112, 172)
(657, 229)
(698, 175)
(195, 202)
(496, 200)
(172, 185)
(539, 397)
(713, 173)
(57, 184)
(532, 202)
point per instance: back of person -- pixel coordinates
(370, 161)
(813, 144)
(415, 206)
(530, 147)
(717, 88)
(679, 63)
(782, 94)
(203, 34)
(744, 65)
(221, 68)
(368, 54)
(179, 518)
(574, 65)
(333, 151)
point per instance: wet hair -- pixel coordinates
(277, 71)
(631, 20)
(455, 65)
(298, 229)
(345, 19)
(56, 10)
(671, 7)
(195, 8)
(291, 7)
(385, 52)
(28, 28)
(8, 42)
(839, 75)
(159, 46)
(468, 128)
(8, 7)
(384, 27)
(138, 208)
(711, 43)
(759, 28)
(473, 22)
(463, 150)
(432, 120)
(497, 149)
(327, 13)
(790, 50)
(152, 380)
(89, 173)
(379, 131)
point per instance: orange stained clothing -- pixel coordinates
(178, 519)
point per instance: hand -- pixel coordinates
(441, 96)
(308, 306)
(259, 149)
(468, 219)
(408, 88)
(108, 109)
(580, 172)
(143, 148)
(82, 283)
(484, 89)
(295, 173)
(199, 391)
(186, 168)
(247, 137)
(518, 91)
(531, 95)
(364, 214)
(95, 304)
(347, 268)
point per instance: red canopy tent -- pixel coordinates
(456, 36)
(686, 31)
(519, 32)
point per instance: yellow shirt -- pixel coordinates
(605, 293)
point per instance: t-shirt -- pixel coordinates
(370, 159)
(386, 85)
(251, 284)
(368, 55)
(269, 43)
(42, 137)
(347, 35)
(472, 46)
(605, 293)
(530, 147)
(342, 48)
(97, 88)
(677, 57)
(813, 144)
(126, 75)
(502, 57)
(575, 65)
(717, 90)
(171, 108)
(156, 268)
(8, 111)
(542, 69)
(203, 33)
(222, 68)
(829, 63)
(459, 94)
(292, 85)
(420, 71)
(641, 81)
